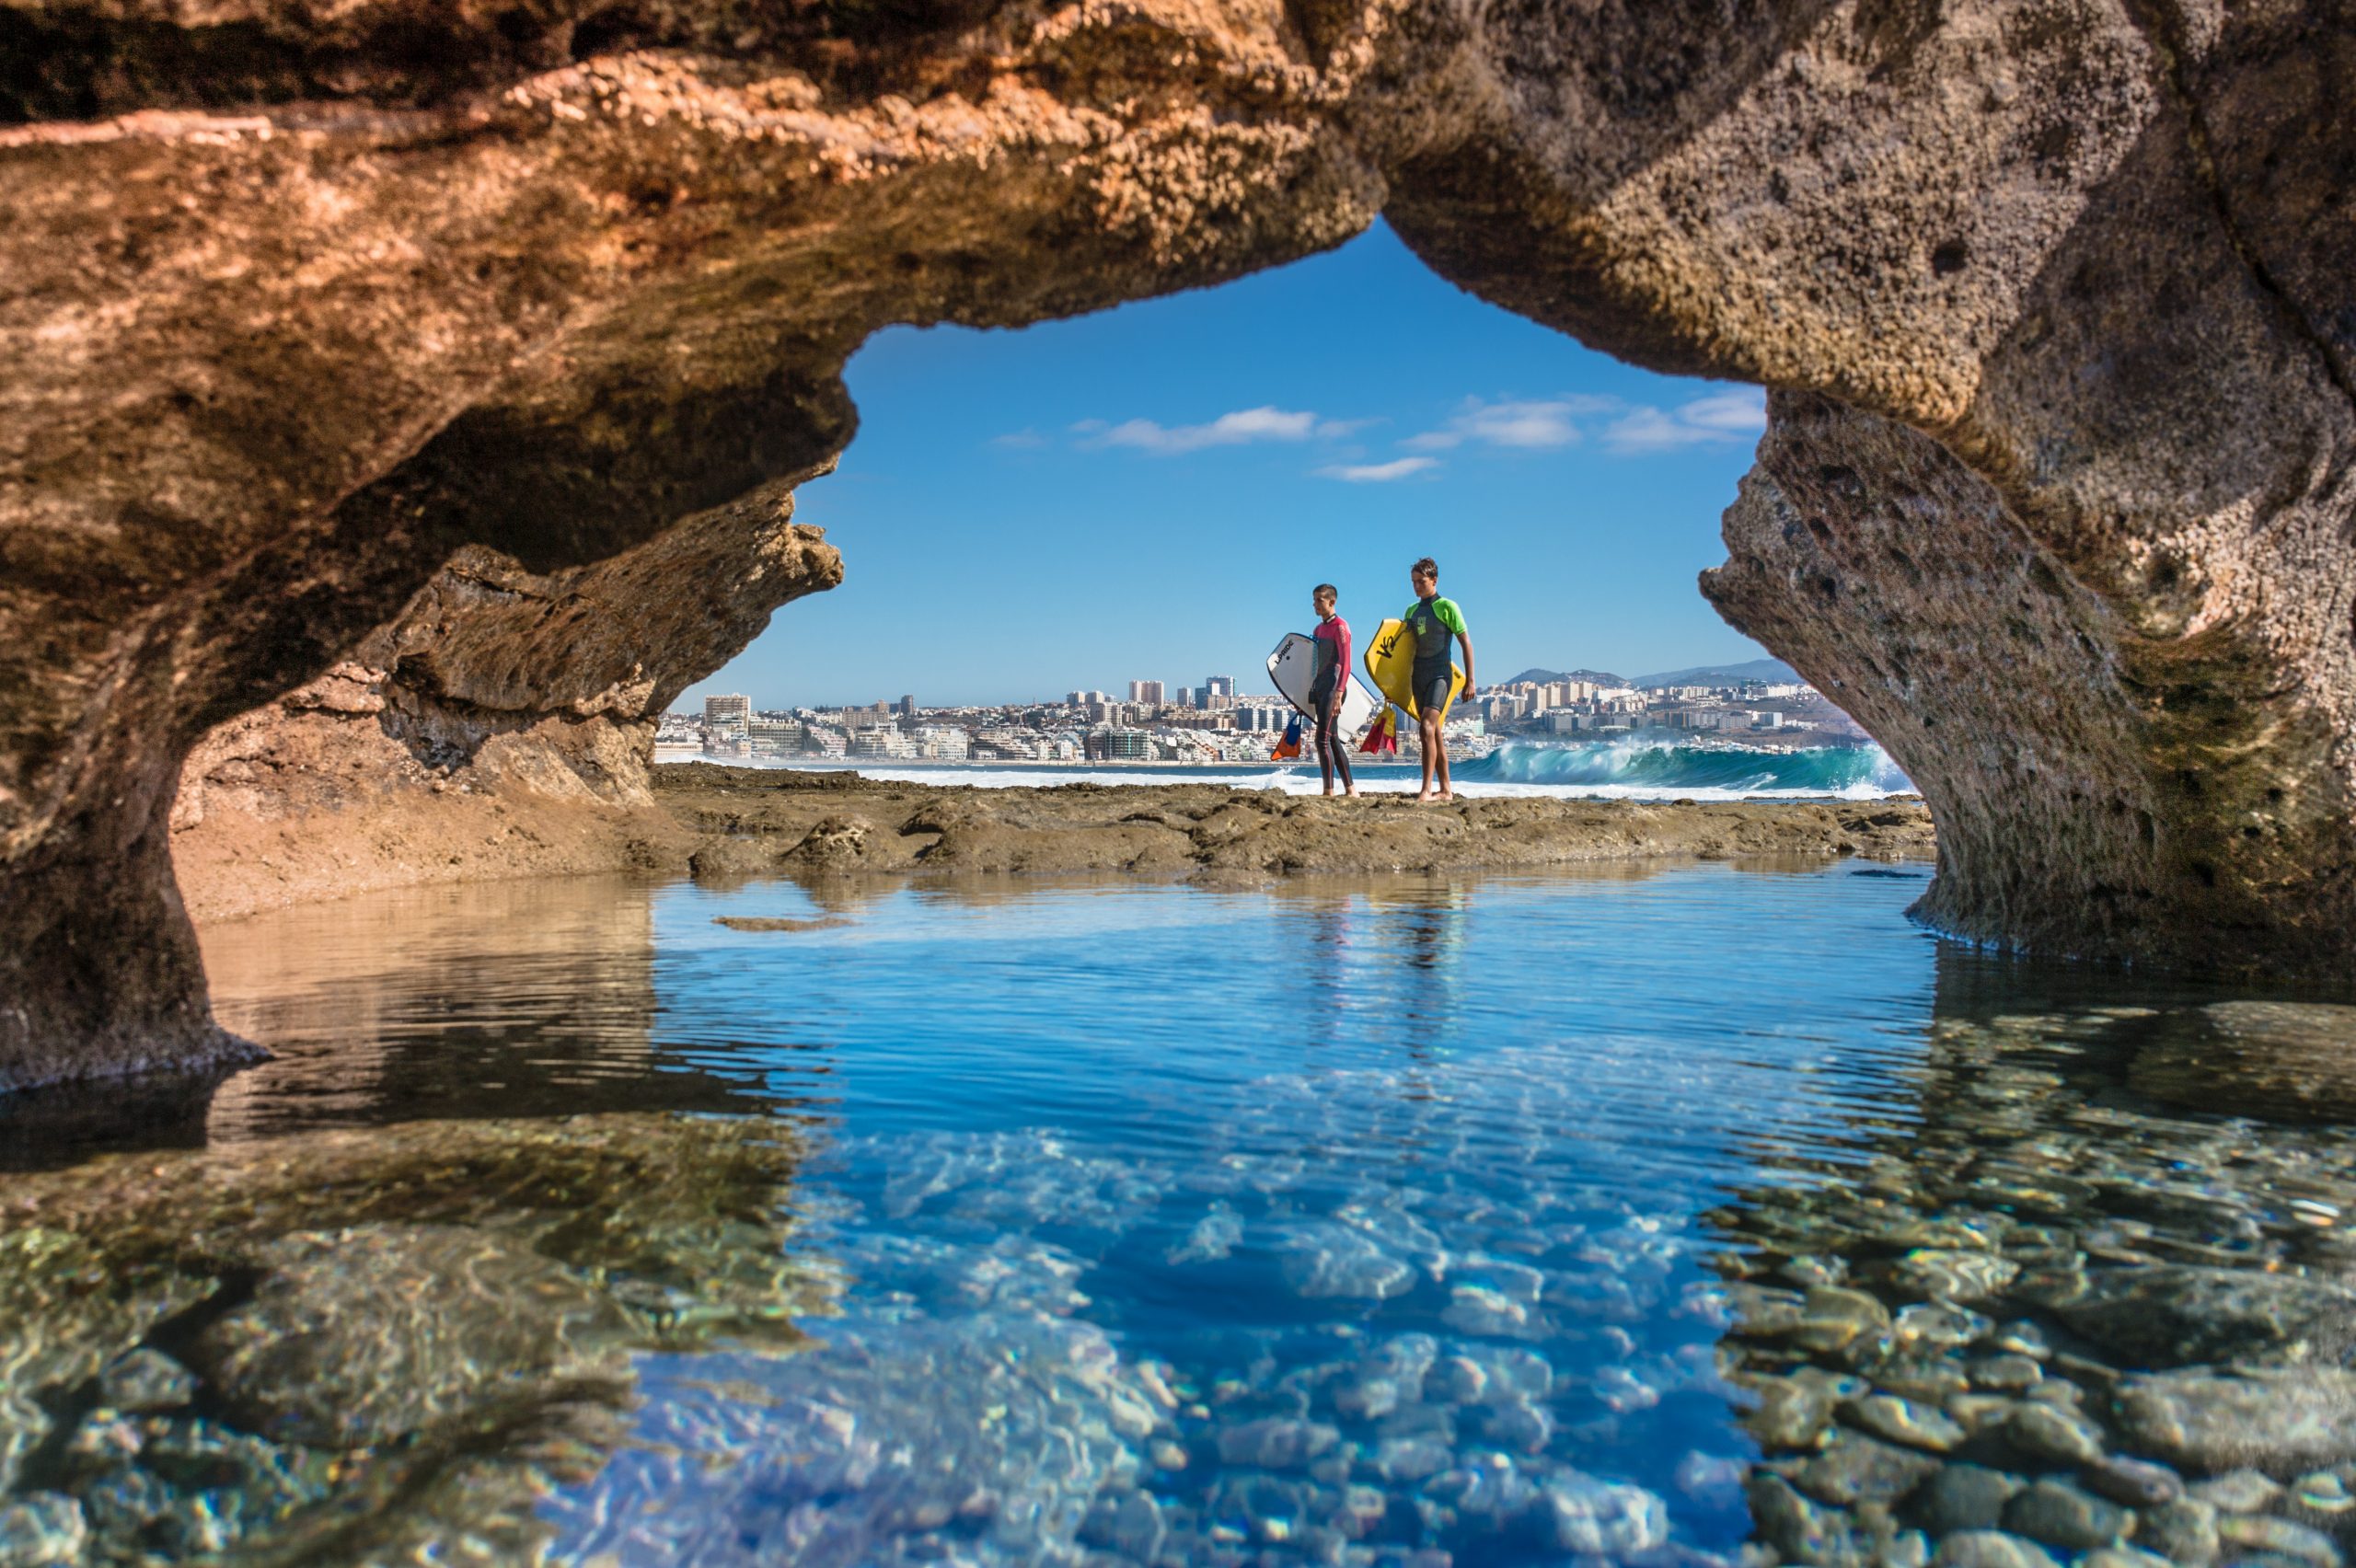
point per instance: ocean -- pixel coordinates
(1623, 770)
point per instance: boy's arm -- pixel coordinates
(1464, 638)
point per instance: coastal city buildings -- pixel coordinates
(1212, 724)
(728, 713)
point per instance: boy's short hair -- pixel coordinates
(1325, 590)
(1427, 566)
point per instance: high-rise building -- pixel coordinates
(733, 714)
(907, 707)
(1261, 715)
(1219, 686)
(1146, 692)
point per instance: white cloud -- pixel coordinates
(1742, 408)
(1528, 424)
(1237, 429)
(1718, 419)
(1378, 473)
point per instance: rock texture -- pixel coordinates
(757, 821)
(305, 303)
(502, 723)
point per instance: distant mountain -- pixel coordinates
(1543, 678)
(1769, 671)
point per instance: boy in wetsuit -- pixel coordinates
(1326, 688)
(1434, 620)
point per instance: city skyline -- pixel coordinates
(698, 699)
(1215, 722)
(1155, 490)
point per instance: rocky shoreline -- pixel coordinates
(756, 821)
(716, 823)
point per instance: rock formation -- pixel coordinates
(504, 721)
(306, 305)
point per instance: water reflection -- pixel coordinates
(1674, 1219)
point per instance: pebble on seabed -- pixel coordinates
(41, 1529)
(2084, 1454)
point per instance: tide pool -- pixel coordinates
(1675, 1215)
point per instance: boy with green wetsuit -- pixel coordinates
(1435, 620)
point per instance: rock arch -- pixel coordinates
(303, 306)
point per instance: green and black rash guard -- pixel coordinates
(1434, 621)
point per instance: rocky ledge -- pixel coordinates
(759, 821)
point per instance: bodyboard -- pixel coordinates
(1391, 665)
(1293, 666)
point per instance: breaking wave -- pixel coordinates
(1652, 767)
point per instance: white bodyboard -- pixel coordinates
(1293, 664)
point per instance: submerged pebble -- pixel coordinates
(144, 1380)
(1856, 1469)
(2138, 1483)
(2278, 1536)
(41, 1529)
(2059, 1437)
(2061, 1514)
(1991, 1549)
(1904, 1421)
(1968, 1497)
(2239, 1491)
(2183, 1530)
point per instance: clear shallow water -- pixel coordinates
(1522, 1220)
(1639, 770)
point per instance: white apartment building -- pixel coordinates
(727, 718)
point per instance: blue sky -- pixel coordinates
(1151, 492)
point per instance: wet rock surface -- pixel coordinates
(778, 821)
(356, 1338)
(366, 1346)
(427, 755)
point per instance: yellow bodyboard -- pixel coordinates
(1391, 665)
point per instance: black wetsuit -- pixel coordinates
(1434, 670)
(1327, 684)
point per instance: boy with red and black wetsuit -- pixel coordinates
(1326, 687)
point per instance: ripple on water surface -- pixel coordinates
(1656, 1216)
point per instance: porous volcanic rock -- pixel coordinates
(305, 303)
(771, 822)
(502, 723)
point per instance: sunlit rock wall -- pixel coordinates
(501, 724)
(300, 305)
